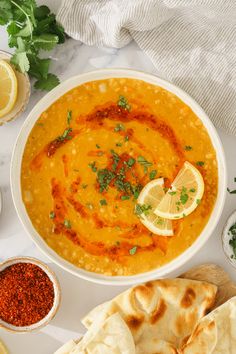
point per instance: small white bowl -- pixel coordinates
(57, 295)
(226, 236)
(51, 97)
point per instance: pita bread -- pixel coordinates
(111, 336)
(160, 314)
(215, 333)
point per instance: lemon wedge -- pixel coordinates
(148, 200)
(8, 88)
(3, 349)
(184, 195)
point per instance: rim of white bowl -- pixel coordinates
(57, 295)
(50, 98)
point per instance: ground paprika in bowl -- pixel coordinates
(29, 294)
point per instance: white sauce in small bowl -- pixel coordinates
(226, 236)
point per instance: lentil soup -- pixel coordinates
(86, 160)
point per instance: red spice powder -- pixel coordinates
(26, 294)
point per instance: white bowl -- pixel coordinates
(51, 97)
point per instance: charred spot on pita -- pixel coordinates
(159, 312)
(188, 298)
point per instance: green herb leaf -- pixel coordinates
(152, 174)
(142, 209)
(131, 162)
(198, 201)
(119, 127)
(93, 166)
(183, 196)
(126, 138)
(103, 202)
(231, 191)
(172, 193)
(142, 161)
(123, 103)
(192, 190)
(133, 250)
(69, 117)
(188, 148)
(98, 146)
(118, 144)
(200, 163)
(47, 84)
(125, 197)
(67, 224)
(31, 28)
(65, 135)
(51, 215)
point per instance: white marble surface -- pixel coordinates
(78, 296)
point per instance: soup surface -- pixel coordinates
(82, 173)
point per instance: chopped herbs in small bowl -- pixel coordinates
(229, 239)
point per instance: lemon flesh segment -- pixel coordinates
(184, 195)
(8, 88)
(151, 195)
(3, 349)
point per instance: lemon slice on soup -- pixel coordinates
(184, 195)
(3, 349)
(148, 200)
(8, 88)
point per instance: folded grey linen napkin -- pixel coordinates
(191, 42)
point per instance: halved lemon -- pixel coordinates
(148, 200)
(8, 88)
(3, 349)
(184, 195)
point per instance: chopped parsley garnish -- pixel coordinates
(133, 250)
(89, 205)
(200, 163)
(131, 162)
(232, 241)
(152, 174)
(93, 167)
(116, 159)
(142, 209)
(104, 177)
(66, 135)
(125, 197)
(116, 176)
(126, 138)
(67, 224)
(51, 215)
(188, 148)
(119, 127)
(192, 190)
(84, 186)
(103, 202)
(159, 221)
(198, 201)
(123, 103)
(172, 193)
(69, 117)
(98, 146)
(142, 161)
(119, 144)
(183, 196)
(231, 191)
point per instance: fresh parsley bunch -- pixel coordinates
(30, 29)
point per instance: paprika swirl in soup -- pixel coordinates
(82, 173)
